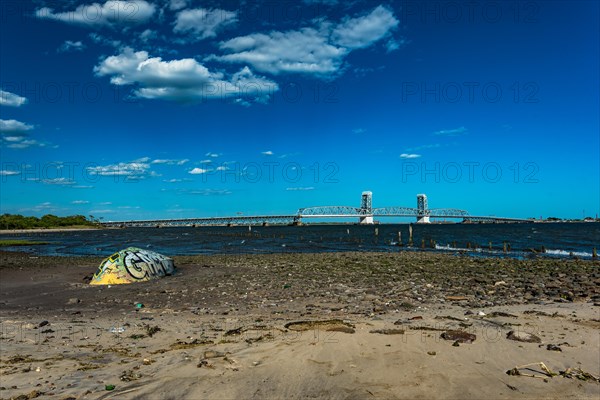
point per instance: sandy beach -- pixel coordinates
(400, 325)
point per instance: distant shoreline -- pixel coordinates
(49, 230)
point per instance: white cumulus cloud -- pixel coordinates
(6, 172)
(180, 80)
(15, 135)
(59, 181)
(203, 23)
(11, 99)
(198, 171)
(363, 31)
(71, 46)
(317, 50)
(408, 156)
(170, 162)
(305, 51)
(111, 13)
(175, 5)
(134, 170)
(12, 126)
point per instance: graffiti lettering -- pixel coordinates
(142, 264)
(133, 265)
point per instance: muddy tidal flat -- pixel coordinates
(292, 326)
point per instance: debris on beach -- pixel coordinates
(521, 336)
(578, 373)
(516, 371)
(501, 314)
(459, 336)
(119, 329)
(130, 375)
(332, 325)
(388, 331)
(132, 265)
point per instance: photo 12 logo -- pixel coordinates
(469, 92)
(469, 12)
(469, 171)
(269, 172)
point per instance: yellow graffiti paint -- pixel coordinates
(132, 265)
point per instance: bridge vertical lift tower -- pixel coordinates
(366, 209)
(422, 209)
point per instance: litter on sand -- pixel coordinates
(516, 371)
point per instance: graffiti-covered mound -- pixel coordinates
(132, 265)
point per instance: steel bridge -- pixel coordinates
(364, 214)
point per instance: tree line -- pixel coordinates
(17, 221)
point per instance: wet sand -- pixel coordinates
(342, 326)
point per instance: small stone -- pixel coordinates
(431, 353)
(74, 300)
(553, 347)
(43, 323)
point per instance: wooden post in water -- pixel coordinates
(504, 247)
(490, 244)
(410, 235)
(508, 246)
(543, 249)
(423, 243)
(468, 245)
(399, 238)
(376, 231)
(594, 254)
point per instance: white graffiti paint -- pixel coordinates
(141, 264)
(133, 265)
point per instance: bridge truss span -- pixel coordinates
(447, 213)
(395, 212)
(331, 211)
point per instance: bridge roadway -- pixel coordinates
(313, 213)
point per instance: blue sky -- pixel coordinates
(169, 109)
